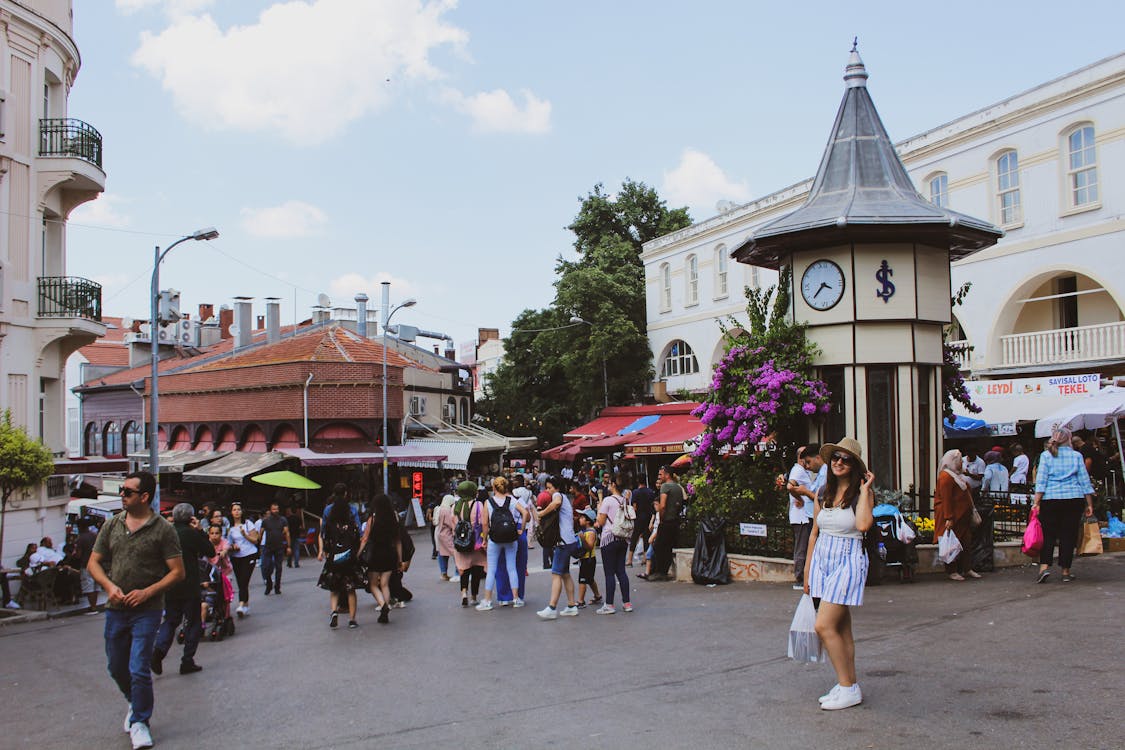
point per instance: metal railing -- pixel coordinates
(70, 137)
(1083, 343)
(70, 297)
(961, 353)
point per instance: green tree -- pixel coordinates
(24, 464)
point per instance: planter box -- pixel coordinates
(1004, 555)
(1108, 545)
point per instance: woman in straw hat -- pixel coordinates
(836, 565)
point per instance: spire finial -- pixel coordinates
(855, 75)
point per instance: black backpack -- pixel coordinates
(502, 525)
(464, 540)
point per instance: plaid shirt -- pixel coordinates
(1062, 476)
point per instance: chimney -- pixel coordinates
(205, 312)
(450, 352)
(242, 317)
(273, 320)
(437, 350)
(487, 334)
(210, 333)
(260, 323)
(361, 314)
(226, 320)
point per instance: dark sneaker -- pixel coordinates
(333, 620)
(189, 667)
(156, 663)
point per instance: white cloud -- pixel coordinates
(343, 289)
(304, 69)
(171, 7)
(496, 112)
(105, 211)
(290, 219)
(698, 182)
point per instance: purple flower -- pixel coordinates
(808, 409)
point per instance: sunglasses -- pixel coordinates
(843, 458)
(126, 492)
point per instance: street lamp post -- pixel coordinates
(605, 379)
(208, 233)
(387, 313)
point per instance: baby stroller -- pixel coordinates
(897, 538)
(217, 595)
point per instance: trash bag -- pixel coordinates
(1033, 535)
(982, 560)
(710, 562)
(1115, 529)
(949, 547)
(804, 643)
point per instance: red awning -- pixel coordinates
(667, 435)
(565, 452)
(604, 444)
(601, 427)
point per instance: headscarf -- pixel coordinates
(1059, 436)
(951, 464)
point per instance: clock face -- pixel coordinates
(822, 285)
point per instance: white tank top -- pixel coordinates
(838, 522)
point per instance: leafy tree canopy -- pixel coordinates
(24, 463)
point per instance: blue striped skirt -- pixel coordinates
(838, 571)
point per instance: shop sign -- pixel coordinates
(1065, 386)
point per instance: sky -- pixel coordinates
(444, 146)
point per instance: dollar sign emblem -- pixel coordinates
(883, 277)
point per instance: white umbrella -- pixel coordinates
(1100, 410)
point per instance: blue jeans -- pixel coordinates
(503, 584)
(129, 637)
(494, 551)
(176, 610)
(271, 566)
(613, 563)
(443, 564)
(560, 564)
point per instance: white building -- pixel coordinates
(1046, 165)
(49, 164)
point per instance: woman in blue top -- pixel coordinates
(1061, 483)
(560, 563)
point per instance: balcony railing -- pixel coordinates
(69, 297)
(961, 353)
(1081, 344)
(69, 137)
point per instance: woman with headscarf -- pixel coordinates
(953, 510)
(470, 564)
(444, 531)
(1061, 483)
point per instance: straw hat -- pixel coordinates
(847, 445)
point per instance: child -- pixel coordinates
(587, 560)
(653, 525)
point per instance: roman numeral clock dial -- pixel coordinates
(822, 285)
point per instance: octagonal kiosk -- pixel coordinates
(870, 276)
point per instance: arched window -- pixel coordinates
(92, 441)
(680, 360)
(721, 275)
(450, 412)
(134, 438)
(111, 439)
(939, 190)
(692, 280)
(1082, 167)
(665, 287)
(1008, 188)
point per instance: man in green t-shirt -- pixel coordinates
(142, 554)
(669, 506)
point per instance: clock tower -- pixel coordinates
(869, 260)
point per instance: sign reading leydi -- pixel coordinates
(1035, 388)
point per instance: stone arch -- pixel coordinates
(285, 436)
(204, 438)
(181, 438)
(253, 439)
(228, 439)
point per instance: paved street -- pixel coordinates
(1000, 663)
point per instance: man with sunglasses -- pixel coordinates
(143, 553)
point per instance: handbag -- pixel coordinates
(804, 643)
(623, 521)
(547, 531)
(342, 557)
(975, 519)
(1033, 535)
(1089, 539)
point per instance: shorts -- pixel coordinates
(586, 568)
(648, 553)
(560, 564)
(86, 582)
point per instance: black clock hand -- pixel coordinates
(823, 286)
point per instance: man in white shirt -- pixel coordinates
(973, 466)
(45, 555)
(800, 509)
(1020, 465)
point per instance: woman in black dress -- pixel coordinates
(381, 552)
(339, 550)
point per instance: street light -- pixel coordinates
(387, 314)
(207, 233)
(574, 319)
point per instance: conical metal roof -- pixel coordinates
(863, 193)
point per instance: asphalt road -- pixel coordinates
(999, 663)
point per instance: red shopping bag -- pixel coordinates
(1033, 535)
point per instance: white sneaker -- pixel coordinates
(484, 606)
(517, 602)
(606, 609)
(140, 735)
(831, 693)
(845, 698)
(12, 605)
(400, 605)
(506, 603)
(569, 612)
(128, 715)
(548, 613)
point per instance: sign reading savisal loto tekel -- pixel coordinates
(1085, 384)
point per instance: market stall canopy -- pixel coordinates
(1100, 410)
(965, 427)
(178, 461)
(1004, 403)
(668, 435)
(233, 469)
(395, 454)
(566, 452)
(285, 478)
(457, 454)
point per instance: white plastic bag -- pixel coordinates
(804, 643)
(948, 548)
(906, 534)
